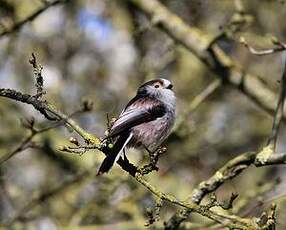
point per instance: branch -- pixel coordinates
(40, 198)
(51, 113)
(38, 76)
(279, 111)
(235, 166)
(200, 44)
(196, 102)
(230, 170)
(30, 18)
(27, 141)
(45, 108)
(231, 221)
(154, 158)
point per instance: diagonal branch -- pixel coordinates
(30, 18)
(27, 142)
(200, 44)
(196, 102)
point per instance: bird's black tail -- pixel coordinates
(114, 153)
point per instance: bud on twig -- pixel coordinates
(74, 140)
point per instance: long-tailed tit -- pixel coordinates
(146, 121)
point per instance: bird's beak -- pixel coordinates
(170, 86)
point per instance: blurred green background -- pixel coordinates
(102, 50)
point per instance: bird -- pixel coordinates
(146, 121)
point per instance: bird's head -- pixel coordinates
(161, 89)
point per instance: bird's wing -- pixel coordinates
(140, 111)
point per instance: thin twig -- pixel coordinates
(22, 146)
(197, 101)
(38, 76)
(40, 198)
(25, 143)
(279, 110)
(279, 47)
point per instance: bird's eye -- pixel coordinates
(156, 86)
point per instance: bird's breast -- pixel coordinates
(152, 134)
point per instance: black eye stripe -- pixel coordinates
(156, 86)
